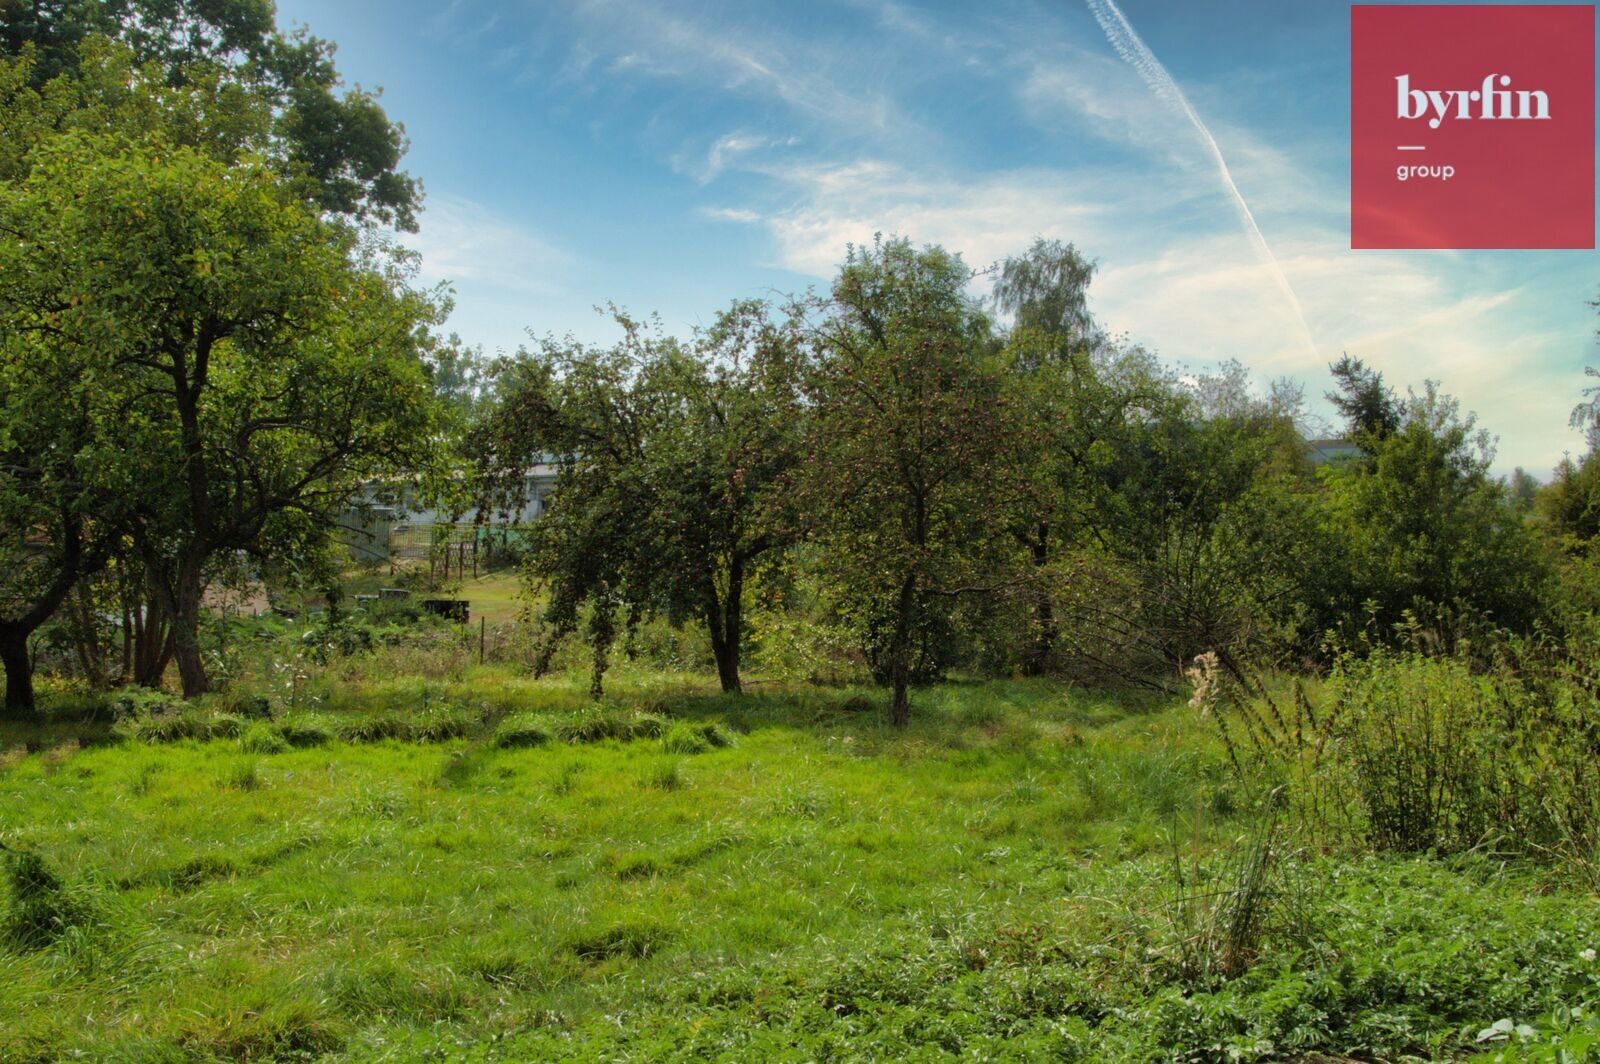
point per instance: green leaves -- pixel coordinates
(220, 76)
(237, 364)
(909, 448)
(677, 460)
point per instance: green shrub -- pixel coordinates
(1418, 738)
(263, 739)
(132, 702)
(1414, 752)
(521, 730)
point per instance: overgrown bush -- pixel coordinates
(1422, 743)
(134, 702)
(1415, 752)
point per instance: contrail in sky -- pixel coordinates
(1120, 32)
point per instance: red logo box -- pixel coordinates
(1472, 126)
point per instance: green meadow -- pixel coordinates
(1026, 872)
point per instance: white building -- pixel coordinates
(391, 520)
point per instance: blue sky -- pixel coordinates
(673, 156)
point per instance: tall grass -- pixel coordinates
(1222, 908)
(1417, 752)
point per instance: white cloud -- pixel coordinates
(504, 276)
(649, 40)
(984, 219)
(466, 243)
(730, 214)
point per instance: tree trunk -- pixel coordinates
(85, 638)
(14, 632)
(545, 655)
(186, 633)
(126, 671)
(19, 673)
(602, 633)
(178, 595)
(1037, 662)
(725, 621)
(900, 654)
(152, 646)
(728, 665)
(900, 705)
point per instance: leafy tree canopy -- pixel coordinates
(337, 142)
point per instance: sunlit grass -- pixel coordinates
(383, 896)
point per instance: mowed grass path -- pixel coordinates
(247, 902)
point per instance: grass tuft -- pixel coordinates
(627, 938)
(695, 738)
(242, 776)
(374, 727)
(442, 724)
(524, 729)
(263, 739)
(307, 729)
(41, 907)
(665, 777)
